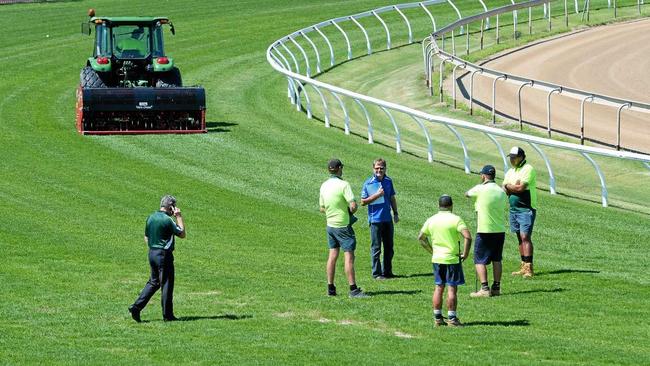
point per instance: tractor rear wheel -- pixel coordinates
(170, 79)
(91, 78)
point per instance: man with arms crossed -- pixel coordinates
(490, 207)
(440, 235)
(378, 193)
(337, 202)
(520, 183)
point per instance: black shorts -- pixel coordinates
(488, 247)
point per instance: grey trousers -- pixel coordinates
(162, 275)
(381, 233)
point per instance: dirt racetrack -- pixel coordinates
(612, 60)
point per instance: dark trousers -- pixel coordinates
(381, 232)
(162, 275)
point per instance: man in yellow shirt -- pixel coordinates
(520, 184)
(491, 201)
(440, 235)
(337, 202)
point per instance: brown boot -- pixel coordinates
(528, 270)
(520, 271)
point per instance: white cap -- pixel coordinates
(516, 151)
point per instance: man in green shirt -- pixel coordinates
(159, 235)
(520, 184)
(491, 201)
(337, 202)
(440, 235)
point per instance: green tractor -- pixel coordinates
(130, 86)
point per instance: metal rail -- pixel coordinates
(296, 83)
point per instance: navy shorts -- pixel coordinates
(488, 247)
(341, 237)
(522, 222)
(448, 274)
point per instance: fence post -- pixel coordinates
(618, 123)
(426, 135)
(346, 116)
(365, 34)
(408, 24)
(304, 55)
(385, 28)
(548, 108)
(603, 186)
(471, 90)
(441, 69)
(531, 83)
(464, 146)
(345, 35)
(548, 167)
(365, 112)
(503, 155)
(497, 29)
(398, 139)
(453, 84)
(582, 118)
(316, 52)
(549, 16)
(433, 21)
(494, 96)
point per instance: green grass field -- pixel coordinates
(251, 274)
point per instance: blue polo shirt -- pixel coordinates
(379, 212)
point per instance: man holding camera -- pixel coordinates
(159, 234)
(378, 194)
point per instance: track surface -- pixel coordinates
(609, 60)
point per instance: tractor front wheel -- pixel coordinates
(91, 79)
(170, 79)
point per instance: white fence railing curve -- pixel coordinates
(434, 48)
(281, 58)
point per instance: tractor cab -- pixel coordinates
(129, 85)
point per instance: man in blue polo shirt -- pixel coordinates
(379, 195)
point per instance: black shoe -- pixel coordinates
(331, 292)
(358, 294)
(389, 275)
(170, 319)
(135, 313)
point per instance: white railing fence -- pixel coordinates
(281, 56)
(435, 46)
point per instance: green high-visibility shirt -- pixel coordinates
(335, 196)
(491, 202)
(527, 200)
(160, 230)
(444, 231)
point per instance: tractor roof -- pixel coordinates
(129, 20)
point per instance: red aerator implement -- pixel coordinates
(129, 85)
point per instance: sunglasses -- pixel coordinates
(380, 168)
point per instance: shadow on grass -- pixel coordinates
(219, 126)
(394, 292)
(500, 323)
(214, 317)
(557, 289)
(561, 271)
(429, 274)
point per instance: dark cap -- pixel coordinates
(445, 201)
(334, 164)
(488, 170)
(517, 151)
